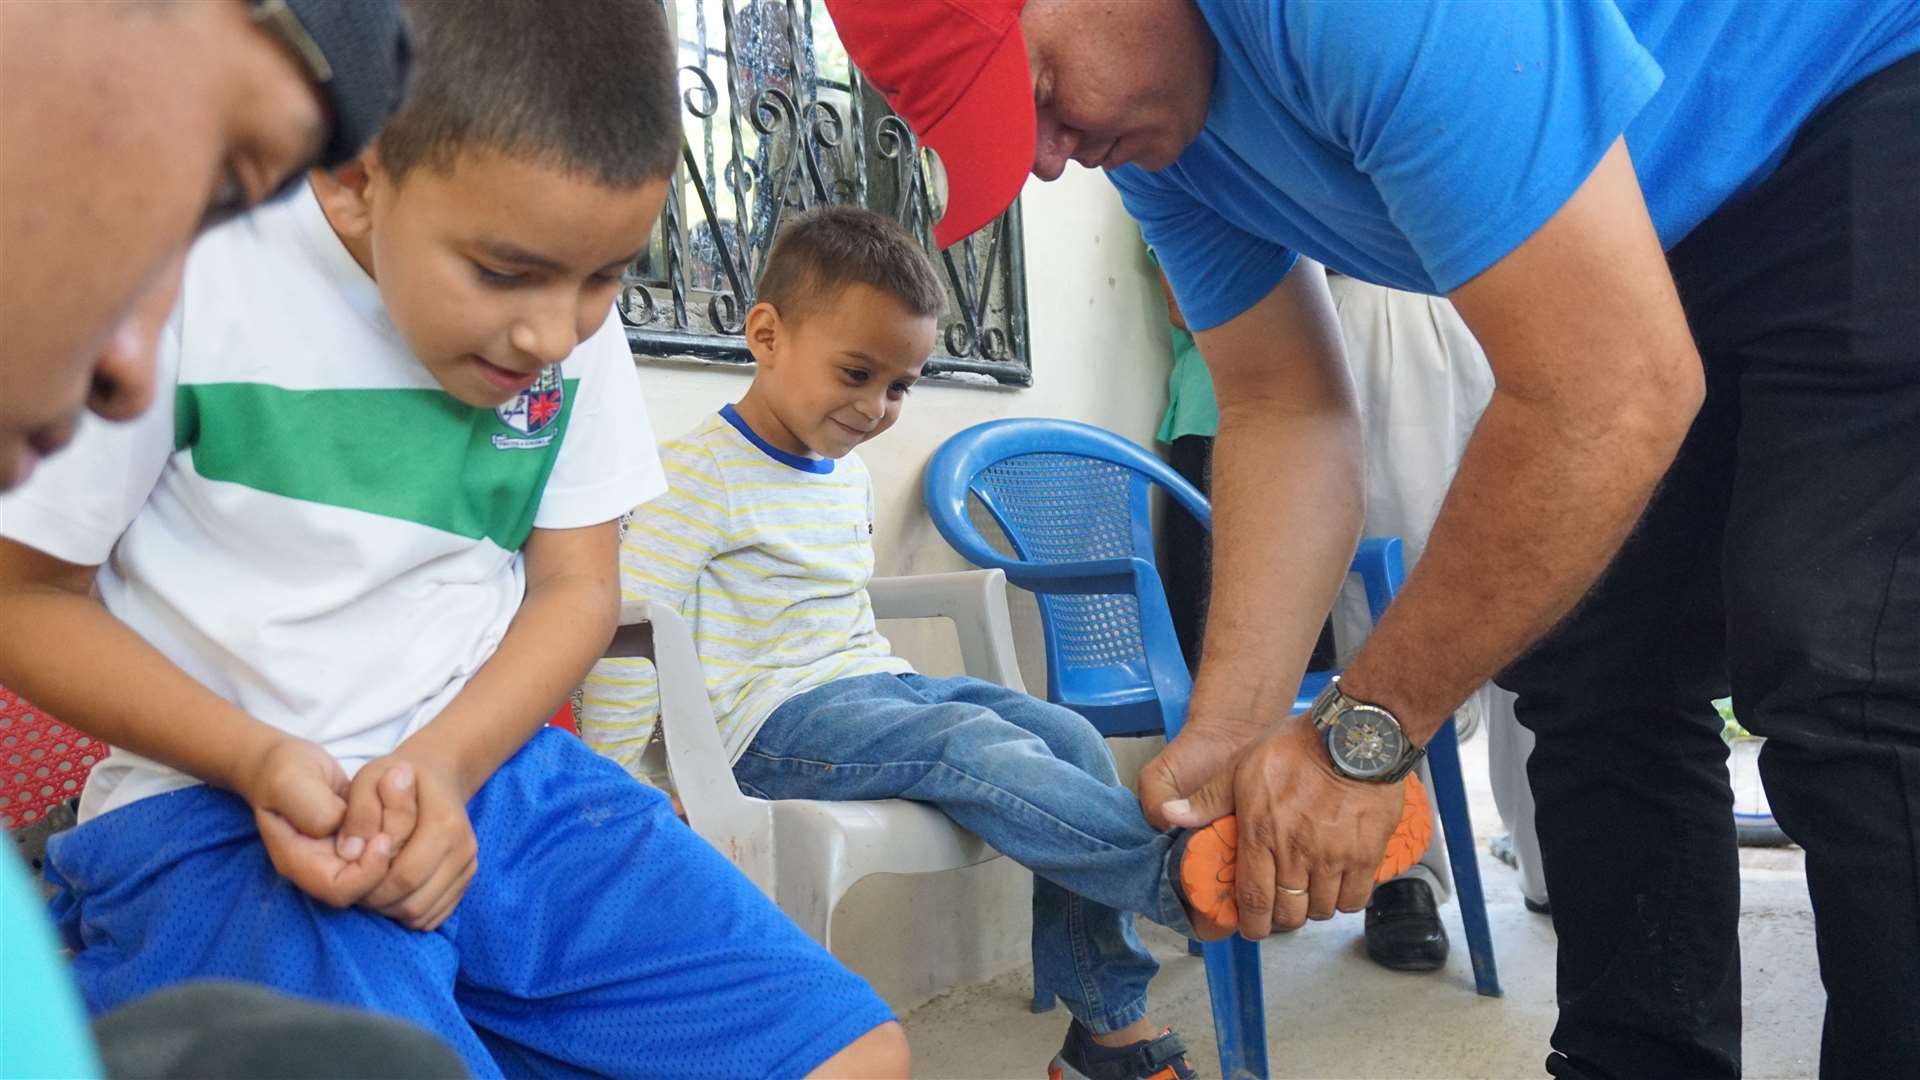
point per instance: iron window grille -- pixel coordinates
(776, 121)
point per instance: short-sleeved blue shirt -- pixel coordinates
(1414, 143)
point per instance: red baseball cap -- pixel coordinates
(956, 72)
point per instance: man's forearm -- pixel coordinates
(1288, 497)
(562, 627)
(1598, 381)
(1541, 502)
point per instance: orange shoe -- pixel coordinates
(1205, 858)
(1411, 837)
(1204, 879)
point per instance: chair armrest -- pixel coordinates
(976, 601)
(702, 775)
(1095, 577)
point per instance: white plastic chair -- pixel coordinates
(803, 853)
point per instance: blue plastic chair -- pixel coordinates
(1073, 501)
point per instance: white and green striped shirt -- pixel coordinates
(305, 522)
(767, 555)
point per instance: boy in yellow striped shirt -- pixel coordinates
(764, 543)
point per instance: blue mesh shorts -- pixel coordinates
(600, 937)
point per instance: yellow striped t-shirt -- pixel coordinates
(767, 555)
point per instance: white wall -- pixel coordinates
(1100, 354)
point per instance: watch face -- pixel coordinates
(1366, 742)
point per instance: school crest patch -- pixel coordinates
(532, 412)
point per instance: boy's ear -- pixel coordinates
(763, 332)
(343, 194)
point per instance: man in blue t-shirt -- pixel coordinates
(1686, 235)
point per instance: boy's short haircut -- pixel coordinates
(587, 86)
(826, 249)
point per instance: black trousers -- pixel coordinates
(1780, 557)
(1186, 558)
(1186, 549)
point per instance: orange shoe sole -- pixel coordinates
(1207, 876)
(1411, 837)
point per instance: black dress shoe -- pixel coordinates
(1403, 927)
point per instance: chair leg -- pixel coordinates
(1239, 1007)
(1450, 793)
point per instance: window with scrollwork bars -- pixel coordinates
(777, 121)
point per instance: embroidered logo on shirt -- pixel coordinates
(536, 407)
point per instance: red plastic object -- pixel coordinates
(43, 762)
(563, 718)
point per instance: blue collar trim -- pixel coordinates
(804, 464)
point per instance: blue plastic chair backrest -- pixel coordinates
(1074, 503)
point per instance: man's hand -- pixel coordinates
(1202, 751)
(1310, 839)
(438, 851)
(298, 794)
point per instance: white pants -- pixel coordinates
(1508, 746)
(1422, 382)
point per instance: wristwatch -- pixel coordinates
(1365, 741)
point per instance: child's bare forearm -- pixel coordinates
(72, 657)
(554, 639)
(571, 608)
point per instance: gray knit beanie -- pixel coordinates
(356, 51)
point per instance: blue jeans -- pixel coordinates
(1033, 779)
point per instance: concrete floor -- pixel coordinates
(1332, 1013)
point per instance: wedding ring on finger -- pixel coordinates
(1284, 891)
